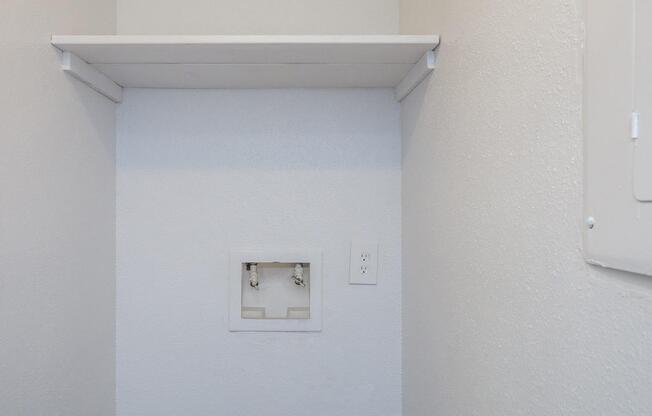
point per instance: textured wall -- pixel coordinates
(259, 17)
(200, 172)
(501, 316)
(57, 218)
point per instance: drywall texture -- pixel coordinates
(203, 171)
(57, 218)
(257, 17)
(501, 316)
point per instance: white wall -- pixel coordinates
(261, 17)
(57, 218)
(501, 316)
(201, 171)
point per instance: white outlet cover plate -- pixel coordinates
(238, 257)
(364, 263)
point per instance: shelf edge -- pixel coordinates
(61, 41)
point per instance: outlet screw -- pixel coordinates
(590, 223)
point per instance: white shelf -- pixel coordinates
(250, 61)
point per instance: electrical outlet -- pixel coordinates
(364, 264)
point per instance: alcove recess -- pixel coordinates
(113, 62)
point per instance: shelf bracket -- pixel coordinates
(90, 76)
(418, 73)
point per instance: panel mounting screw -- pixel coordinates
(590, 223)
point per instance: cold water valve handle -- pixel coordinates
(298, 275)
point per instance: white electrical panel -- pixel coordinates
(642, 133)
(275, 290)
(618, 135)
